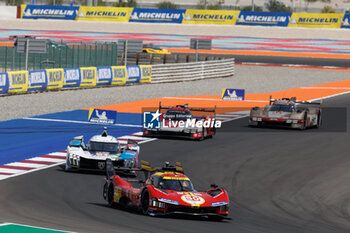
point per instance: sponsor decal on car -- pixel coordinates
(192, 199)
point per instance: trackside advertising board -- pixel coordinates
(101, 116)
(4, 83)
(55, 78)
(18, 81)
(210, 17)
(104, 13)
(49, 12)
(119, 75)
(88, 76)
(71, 77)
(346, 21)
(232, 94)
(134, 74)
(104, 75)
(146, 73)
(37, 80)
(315, 20)
(263, 18)
(47, 79)
(156, 15)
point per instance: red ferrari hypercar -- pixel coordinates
(165, 191)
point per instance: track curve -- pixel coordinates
(278, 181)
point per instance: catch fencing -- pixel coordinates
(60, 55)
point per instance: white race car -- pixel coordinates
(99, 148)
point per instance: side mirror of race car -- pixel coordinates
(214, 186)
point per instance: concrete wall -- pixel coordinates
(8, 12)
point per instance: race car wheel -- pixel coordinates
(145, 201)
(66, 168)
(105, 191)
(304, 123)
(110, 195)
(319, 120)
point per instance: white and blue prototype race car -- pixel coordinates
(99, 148)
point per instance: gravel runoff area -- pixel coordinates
(179, 29)
(254, 79)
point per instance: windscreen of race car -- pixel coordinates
(103, 146)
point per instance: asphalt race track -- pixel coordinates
(278, 180)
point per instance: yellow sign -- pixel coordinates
(119, 75)
(315, 20)
(104, 13)
(54, 78)
(88, 76)
(23, 7)
(18, 81)
(146, 73)
(210, 17)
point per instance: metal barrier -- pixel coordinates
(192, 71)
(152, 59)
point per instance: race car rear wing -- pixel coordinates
(294, 99)
(191, 109)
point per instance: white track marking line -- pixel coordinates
(47, 159)
(5, 223)
(326, 88)
(187, 98)
(62, 154)
(330, 96)
(131, 137)
(11, 171)
(31, 165)
(33, 170)
(137, 134)
(78, 122)
(43, 228)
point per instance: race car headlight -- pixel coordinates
(157, 203)
(220, 203)
(259, 119)
(168, 201)
(130, 163)
(295, 121)
(288, 121)
(186, 130)
(254, 118)
(73, 156)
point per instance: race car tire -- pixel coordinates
(319, 120)
(110, 195)
(67, 168)
(145, 202)
(105, 191)
(304, 123)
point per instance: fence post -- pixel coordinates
(27, 53)
(6, 58)
(95, 53)
(126, 52)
